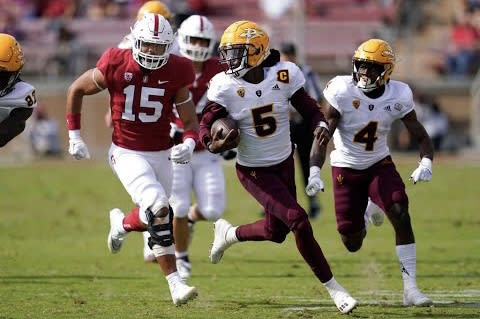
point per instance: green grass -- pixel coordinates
(54, 262)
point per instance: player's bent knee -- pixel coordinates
(398, 214)
(278, 237)
(180, 210)
(353, 242)
(211, 214)
(160, 228)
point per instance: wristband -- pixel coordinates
(324, 125)
(427, 163)
(314, 170)
(73, 134)
(73, 121)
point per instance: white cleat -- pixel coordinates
(413, 297)
(374, 214)
(182, 293)
(220, 244)
(344, 302)
(117, 232)
(148, 255)
(184, 269)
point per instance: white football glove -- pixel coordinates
(423, 173)
(77, 147)
(315, 183)
(182, 153)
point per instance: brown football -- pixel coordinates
(225, 124)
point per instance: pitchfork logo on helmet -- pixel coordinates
(373, 64)
(11, 62)
(152, 39)
(243, 46)
(197, 38)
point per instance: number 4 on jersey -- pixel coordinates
(367, 135)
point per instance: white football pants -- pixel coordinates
(203, 175)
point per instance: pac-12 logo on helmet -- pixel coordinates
(243, 46)
(152, 38)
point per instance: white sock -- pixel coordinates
(231, 236)
(173, 278)
(333, 286)
(181, 254)
(407, 255)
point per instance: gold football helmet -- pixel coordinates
(373, 64)
(243, 46)
(156, 7)
(11, 62)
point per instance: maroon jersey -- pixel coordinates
(141, 101)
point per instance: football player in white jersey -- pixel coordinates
(360, 112)
(17, 98)
(256, 91)
(204, 173)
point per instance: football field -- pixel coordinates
(54, 261)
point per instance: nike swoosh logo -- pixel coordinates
(162, 82)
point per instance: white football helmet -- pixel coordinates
(196, 26)
(152, 38)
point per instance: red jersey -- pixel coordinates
(141, 101)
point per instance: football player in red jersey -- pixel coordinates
(204, 174)
(144, 84)
(17, 98)
(256, 91)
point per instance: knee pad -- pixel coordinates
(160, 234)
(154, 203)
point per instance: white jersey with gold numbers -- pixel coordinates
(261, 112)
(360, 139)
(22, 96)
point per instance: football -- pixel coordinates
(225, 124)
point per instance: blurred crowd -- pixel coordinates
(68, 53)
(461, 52)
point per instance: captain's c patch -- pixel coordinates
(282, 76)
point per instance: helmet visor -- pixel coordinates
(235, 56)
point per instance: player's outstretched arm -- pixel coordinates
(90, 82)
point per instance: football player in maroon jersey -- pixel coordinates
(256, 91)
